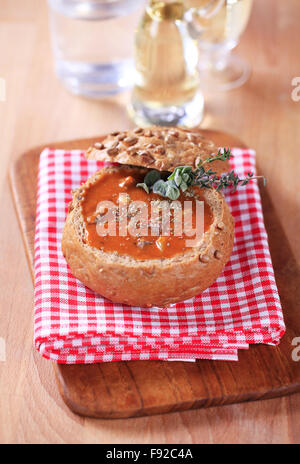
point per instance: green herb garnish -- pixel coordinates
(144, 186)
(184, 177)
(151, 177)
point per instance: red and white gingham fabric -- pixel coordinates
(74, 325)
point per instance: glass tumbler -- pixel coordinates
(92, 43)
(218, 26)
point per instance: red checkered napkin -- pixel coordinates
(74, 325)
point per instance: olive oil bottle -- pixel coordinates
(166, 90)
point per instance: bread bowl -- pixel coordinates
(147, 270)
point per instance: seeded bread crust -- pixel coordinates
(147, 283)
(161, 148)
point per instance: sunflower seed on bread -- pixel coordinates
(161, 148)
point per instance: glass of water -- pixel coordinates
(93, 44)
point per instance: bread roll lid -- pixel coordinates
(161, 148)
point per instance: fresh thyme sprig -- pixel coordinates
(220, 156)
(230, 179)
(184, 177)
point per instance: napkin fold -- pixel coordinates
(74, 325)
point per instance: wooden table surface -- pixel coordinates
(38, 109)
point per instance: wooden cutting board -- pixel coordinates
(138, 388)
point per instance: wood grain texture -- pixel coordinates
(139, 388)
(38, 109)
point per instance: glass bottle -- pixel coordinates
(166, 90)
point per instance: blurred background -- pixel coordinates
(165, 52)
(69, 72)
